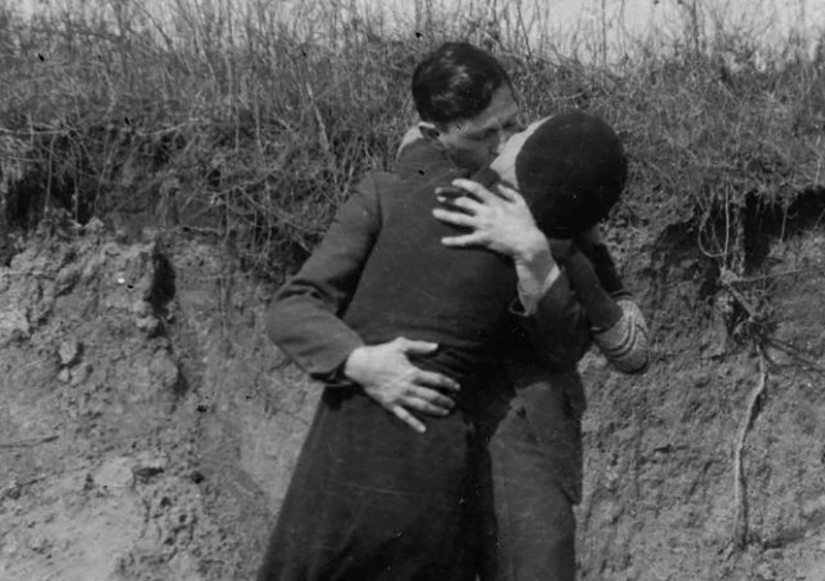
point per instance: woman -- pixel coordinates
(535, 437)
(370, 497)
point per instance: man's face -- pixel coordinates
(474, 143)
(505, 164)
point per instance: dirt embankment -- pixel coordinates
(144, 429)
(712, 465)
(148, 429)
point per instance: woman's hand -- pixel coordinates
(503, 223)
(588, 240)
(499, 222)
(386, 374)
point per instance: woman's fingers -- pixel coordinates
(449, 192)
(463, 240)
(454, 218)
(450, 195)
(475, 188)
(509, 194)
(464, 203)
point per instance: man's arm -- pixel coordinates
(304, 320)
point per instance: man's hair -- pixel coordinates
(456, 81)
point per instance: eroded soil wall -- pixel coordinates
(148, 428)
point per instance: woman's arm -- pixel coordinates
(622, 337)
(548, 308)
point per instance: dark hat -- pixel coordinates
(570, 168)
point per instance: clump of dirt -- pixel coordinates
(148, 429)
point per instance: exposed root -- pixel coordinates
(29, 443)
(740, 530)
(727, 279)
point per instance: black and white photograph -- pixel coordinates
(412, 290)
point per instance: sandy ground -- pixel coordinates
(148, 429)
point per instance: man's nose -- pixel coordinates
(503, 136)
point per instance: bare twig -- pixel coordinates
(798, 355)
(40, 274)
(763, 277)
(740, 298)
(322, 128)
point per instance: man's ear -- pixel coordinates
(429, 131)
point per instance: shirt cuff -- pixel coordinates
(337, 377)
(531, 291)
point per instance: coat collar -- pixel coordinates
(418, 159)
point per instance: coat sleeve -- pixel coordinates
(588, 304)
(616, 322)
(625, 343)
(304, 318)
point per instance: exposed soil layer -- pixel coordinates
(148, 429)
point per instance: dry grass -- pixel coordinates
(230, 121)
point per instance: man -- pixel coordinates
(370, 498)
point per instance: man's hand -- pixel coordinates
(387, 376)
